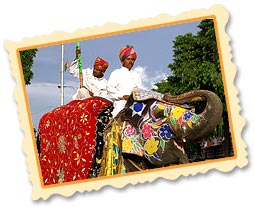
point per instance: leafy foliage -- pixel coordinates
(196, 66)
(27, 60)
(195, 63)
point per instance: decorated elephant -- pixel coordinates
(150, 131)
(81, 139)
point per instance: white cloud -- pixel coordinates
(144, 77)
(149, 77)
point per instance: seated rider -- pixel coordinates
(123, 80)
(94, 82)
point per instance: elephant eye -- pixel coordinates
(198, 106)
(158, 113)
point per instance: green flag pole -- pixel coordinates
(80, 66)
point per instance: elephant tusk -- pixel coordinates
(179, 147)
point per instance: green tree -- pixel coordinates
(27, 60)
(195, 66)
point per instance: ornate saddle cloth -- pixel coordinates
(68, 139)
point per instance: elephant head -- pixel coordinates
(150, 131)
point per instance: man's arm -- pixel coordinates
(112, 85)
(73, 69)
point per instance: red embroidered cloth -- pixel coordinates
(67, 140)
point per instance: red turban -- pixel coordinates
(126, 51)
(102, 64)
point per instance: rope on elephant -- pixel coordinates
(112, 160)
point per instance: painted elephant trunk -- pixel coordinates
(205, 111)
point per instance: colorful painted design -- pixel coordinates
(146, 131)
(165, 132)
(137, 108)
(157, 126)
(151, 146)
(129, 130)
(127, 145)
(131, 141)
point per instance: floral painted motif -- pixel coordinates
(146, 131)
(165, 132)
(137, 108)
(177, 112)
(187, 115)
(151, 146)
(131, 144)
(129, 130)
(155, 131)
(130, 141)
(127, 145)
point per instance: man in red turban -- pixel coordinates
(101, 64)
(100, 67)
(94, 82)
(122, 81)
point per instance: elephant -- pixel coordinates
(82, 140)
(149, 132)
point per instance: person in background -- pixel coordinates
(94, 82)
(122, 81)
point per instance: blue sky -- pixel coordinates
(154, 49)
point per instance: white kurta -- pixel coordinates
(121, 82)
(96, 85)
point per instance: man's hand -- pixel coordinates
(77, 52)
(91, 93)
(125, 97)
